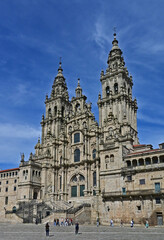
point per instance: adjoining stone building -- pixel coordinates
(78, 162)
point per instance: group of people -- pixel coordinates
(56, 223)
(131, 223)
(66, 222)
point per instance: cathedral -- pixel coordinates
(88, 170)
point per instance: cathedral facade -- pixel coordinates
(78, 161)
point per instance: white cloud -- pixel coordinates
(18, 131)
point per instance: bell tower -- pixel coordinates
(116, 97)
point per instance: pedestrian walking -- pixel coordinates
(47, 228)
(146, 224)
(111, 222)
(76, 228)
(132, 223)
(121, 223)
(97, 221)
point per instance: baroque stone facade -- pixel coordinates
(78, 161)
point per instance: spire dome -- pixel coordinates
(60, 70)
(115, 43)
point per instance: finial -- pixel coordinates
(114, 29)
(78, 82)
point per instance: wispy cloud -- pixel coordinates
(18, 131)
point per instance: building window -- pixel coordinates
(142, 181)
(6, 200)
(1, 175)
(6, 189)
(116, 88)
(0, 189)
(94, 153)
(107, 90)
(157, 187)
(61, 160)
(16, 173)
(7, 182)
(15, 180)
(24, 196)
(139, 208)
(82, 187)
(158, 200)
(123, 190)
(55, 111)
(94, 179)
(74, 191)
(76, 137)
(81, 178)
(111, 158)
(129, 178)
(15, 188)
(0, 183)
(77, 155)
(94, 193)
(74, 179)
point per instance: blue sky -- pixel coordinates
(34, 34)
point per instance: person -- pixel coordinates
(121, 223)
(111, 223)
(47, 227)
(54, 222)
(132, 223)
(146, 224)
(71, 222)
(76, 228)
(97, 221)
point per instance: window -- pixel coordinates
(24, 196)
(94, 193)
(6, 200)
(60, 182)
(74, 191)
(76, 137)
(158, 200)
(157, 187)
(112, 158)
(23, 172)
(139, 208)
(77, 155)
(15, 180)
(61, 160)
(107, 90)
(0, 189)
(81, 178)
(16, 173)
(55, 110)
(7, 182)
(94, 179)
(0, 183)
(82, 187)
(142, 181)
(123, 190)
(6, 189)
(129, 178)
(15, 188)
(116, 88)
(1, 175)
(74, 179)
(94, 153)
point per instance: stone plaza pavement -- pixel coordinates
(37, 232)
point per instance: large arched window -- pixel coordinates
(94, 153)
(61, 160)
(116, 88)
(94, 179)
(77, 107)
(62, 111)
(49, 112)
(77, 155)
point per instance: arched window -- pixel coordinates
(55, 111)
(81, 178)
(107, 91)
(94, 153)
(77, 155)
(116, 88)
(74, 179)
(49, 111)
(94, 179)
(111, 158)
(77, 107)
